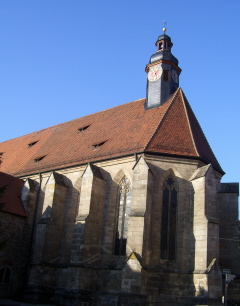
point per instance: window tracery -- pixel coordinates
(124, 203)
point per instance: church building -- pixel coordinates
(124, 206)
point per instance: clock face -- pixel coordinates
(174, 76)
(154, 73)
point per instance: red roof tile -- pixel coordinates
(11, 200)
(126, 129)
(180, 133)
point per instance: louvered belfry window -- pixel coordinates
(124, 203)
(169, 220)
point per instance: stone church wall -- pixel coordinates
(76, 224)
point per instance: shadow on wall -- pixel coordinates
(170, 259)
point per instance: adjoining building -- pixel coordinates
(126, 206)
(15, 233)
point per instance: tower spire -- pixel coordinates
(163, 72)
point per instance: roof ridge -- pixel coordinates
(38, 131)
(105, 110)
(164, 115)
(193, 140)
(60, 124)
(203, 148)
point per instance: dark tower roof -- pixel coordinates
(163, 73)
(163, 52)
(163, 37)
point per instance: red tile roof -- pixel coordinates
(180, 133)
(11, 201)
(126, 129)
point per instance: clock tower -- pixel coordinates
(162, 73)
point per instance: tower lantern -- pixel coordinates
(164, 43)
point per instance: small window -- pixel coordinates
(5, 276)
(32, 144)
(160, 46)
(36, 160)
(165, 75)
(96, 146)
(83, 129)
(1, 153)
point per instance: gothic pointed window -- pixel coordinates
(169, 220)
(124, 202)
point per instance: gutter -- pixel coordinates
(126, 155)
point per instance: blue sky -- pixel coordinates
(63, 59)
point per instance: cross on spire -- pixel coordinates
(164, 26)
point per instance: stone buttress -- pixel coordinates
(206, 233)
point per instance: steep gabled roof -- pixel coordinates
(126, 129)
(10, 201)
(180, 133)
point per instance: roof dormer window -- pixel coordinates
(36, 160)
(32, 144)
(96, 146)
(83, 129)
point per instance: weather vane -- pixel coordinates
(164, 24)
